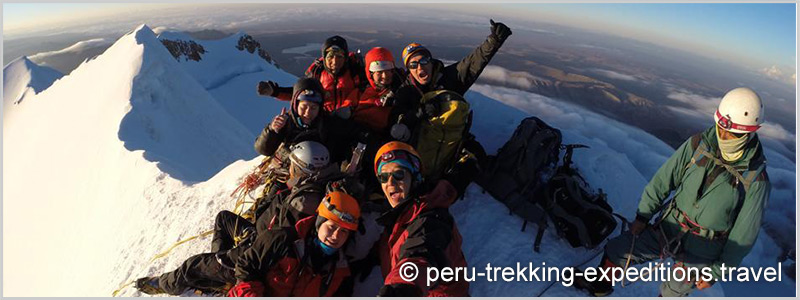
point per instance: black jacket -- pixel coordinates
(457, 77)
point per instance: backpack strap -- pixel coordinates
(740, 178)
(315, 71)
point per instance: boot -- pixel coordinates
(149, 285)
(596, 288)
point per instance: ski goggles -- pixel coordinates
(381, 65)
(421, 62)
(346, 217)
(398, 175)
(334, 51)
(726, 123)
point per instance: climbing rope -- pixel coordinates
(240, 193)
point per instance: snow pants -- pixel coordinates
(203, 271)
(648, 248)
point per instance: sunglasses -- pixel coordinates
(421, 62)
(397, 174)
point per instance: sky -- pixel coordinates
(759, 35)
(736, 32)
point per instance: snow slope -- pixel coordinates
(146, 155)
(21, 78)
(93, 160)
(231, 75)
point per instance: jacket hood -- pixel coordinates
(376, 54)
(302, 85)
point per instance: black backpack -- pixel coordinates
(580, 215)
(524, 176)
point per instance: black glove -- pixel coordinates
(500, 32)
(267, 88)
(399, 290)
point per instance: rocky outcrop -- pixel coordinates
(248, 43)
(187, 49)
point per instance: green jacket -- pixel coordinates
(709, 196)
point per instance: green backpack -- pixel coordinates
(445, 121)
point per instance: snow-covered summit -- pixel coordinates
(23, 77)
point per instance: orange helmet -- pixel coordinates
(402, 153)
(412, 49)
(340, 208)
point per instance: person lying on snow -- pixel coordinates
(339, 72)
(233, 234)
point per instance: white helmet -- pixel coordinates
(740, 111)
(309, 156)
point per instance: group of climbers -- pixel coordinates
(328, 215)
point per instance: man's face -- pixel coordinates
(420, 67)
(307, 111)
(395, 190)
(382, 78)
(334, 61)
(332, 235)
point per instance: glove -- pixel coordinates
(343, 113)
(399, 290)
(400, 132)
(702, 285)
(267, 88)
(279, 121)
(247, 289)
(638, 226)
(500, 31)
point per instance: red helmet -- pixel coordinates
(378, 59)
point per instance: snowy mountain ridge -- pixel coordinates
(136, 150)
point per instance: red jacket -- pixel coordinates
(370, 112)
(425, 234)
(340, 91)
(275, 259)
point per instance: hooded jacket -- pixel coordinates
(374, 104)
(341, 90)
(335, 133)
(293, 131)
(285, 262)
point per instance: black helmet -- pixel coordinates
(337, 41)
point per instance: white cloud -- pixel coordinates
(614, 75)
(777, 73)
(703, 104)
